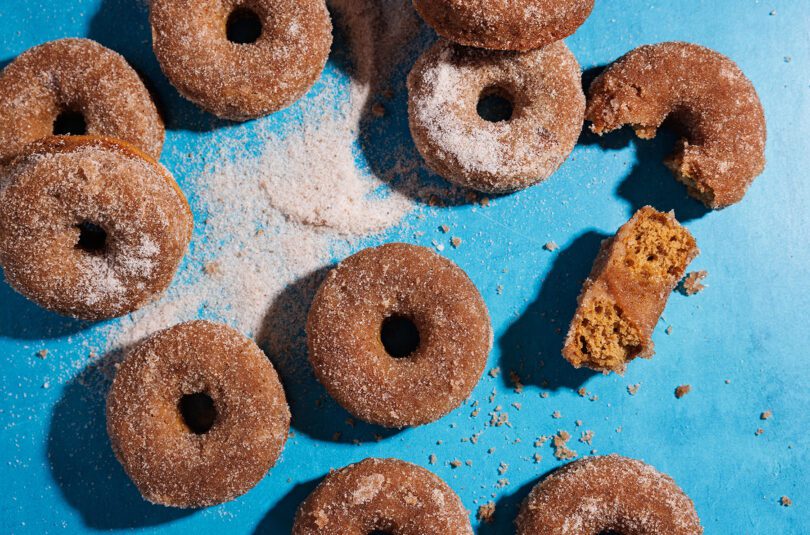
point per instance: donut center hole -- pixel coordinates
(69, 123)
(495, 105)
(92, 238)
(399, 336)
(244, 27)
(198, 412)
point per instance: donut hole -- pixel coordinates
(244, 26)
(399, 336)
(198, 412)
(70, 123)
(495, 105)
(92, 238)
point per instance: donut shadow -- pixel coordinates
(532, 345)
(4, 62)
(282, 337)
(281, 517)
(82, 461)
(507, 508)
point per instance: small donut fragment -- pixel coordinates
(710, 101)
(196, 415)
(609, 494)
(91, 227)
(235, 77)
(504, 24)
(543, 115)
(78, 79)
(398, 335)
(382, 496)
(627, 290)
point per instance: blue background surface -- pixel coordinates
(57, 473)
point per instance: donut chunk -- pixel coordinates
(504, 24)
(76, 77)
(709, 100)
(627, 290)
(382, 495)
(196, 415)
(241, 81)
(544, 90)
(398, 335)
(90, 227)
(609, 494)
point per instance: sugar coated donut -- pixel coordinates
(609, 494)
(542, 90)
(247, 76)
(196, 415)
(709, 100)
(504, 24)
(90, 227)
(75, 81)
(382, 496)
(398, 335)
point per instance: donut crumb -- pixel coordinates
(486, 513)
(693, 283)
(682, 390)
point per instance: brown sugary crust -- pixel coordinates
(168, 463)
(710, 100)
(627, 290)
(386, 495)
(241, 81)
(608, 494)
(76, 75)
(62, 182)
(545, 88)
(505, 24)
(347, 353)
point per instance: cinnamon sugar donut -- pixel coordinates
(81, 79)
(382, 496)
(610, 494)
(196, 415)
(709, 99)
(398, 335)
(90, 227)
(543, 87)
(504, 24)
(237, 80)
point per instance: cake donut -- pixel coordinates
(90, 227)
(398, 335)
(241, 80)
(382, 496)
(504, 24)
(710, 101)
(608, 494)
(78, 79)
(196, 415)
(627, 290)
(544, 89)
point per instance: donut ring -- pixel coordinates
(90, 227)
(504, 24)
(710, 100)
(382, 495)
(544, 86)
(160, 437)
(241, 81)
(80, 76)
(609, 494)
(398, 282)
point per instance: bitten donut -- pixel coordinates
(196, 415)
(709, 100)
(78, 80)
(504, 24)
(543, 89)
(241, 80)
(90, 227)
(398, 335)
(382, 496)
(610, 494)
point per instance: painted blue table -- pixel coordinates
(740, 344)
